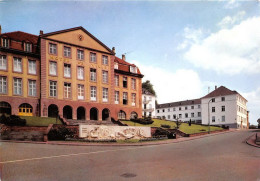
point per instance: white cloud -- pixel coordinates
(180, 85)
(253, 105)
(230, 51)
(231, 4)
(228, 21)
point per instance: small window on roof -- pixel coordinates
(133, 69)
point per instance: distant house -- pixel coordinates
(220, 107)
(148, 103)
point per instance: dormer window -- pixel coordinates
(5, 42)
(116, 66)
(28, 47)
(133, 69)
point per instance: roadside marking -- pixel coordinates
(73, 154)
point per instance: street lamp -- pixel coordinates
(209, 116)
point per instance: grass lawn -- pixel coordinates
(184, 126)
(39, 121)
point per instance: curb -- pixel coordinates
(251, 141)
(183, 139)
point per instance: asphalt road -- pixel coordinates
(219, 157)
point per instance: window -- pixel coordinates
(198, 106)
(105, 60)
(3, 85)
(222, 98)
(133, 99)
(53, 68)
(174, 116)
(150, 106)
(67, 90)
(186, 108)
(105, 76)
(125, 82)
(80, 54)
(80, 92)
(93, 93)
(32, 87)
(223, 108)
(116, 97)
(17, 86)
(180, 115)
(93, 75)
(186, 115)
(81, 73)
(52, 48)
(169, 116)
(199, 114)
(5, 43)
(213, 119)
(158, 111)
(179, 108)
(213, 99)
(93, 57)
(28, 47)
(105, 94)
(116, 65)
(125, 98)
(3, 62)
(213, 109)
(133, 83)
(67, 51)
(192, 107)
(223, 118)
(174, 109)
(32, 67)
(192, 115)
(17, 64)
(117, 80)
(163, 110)
(133, 69)
(67, 70)
(53, 88)
(169, 110)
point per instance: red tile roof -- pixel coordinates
(125, 66)
(180, 103)
(221, 91)
(22, 36)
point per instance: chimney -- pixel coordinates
(123, 57)
(114, 50)
(0, 29)
(41, 32)
(216, 87)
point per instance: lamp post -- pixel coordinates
(209, 117)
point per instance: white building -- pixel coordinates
(220, 107)
(182, 110)
(224, 107)
(148, 104)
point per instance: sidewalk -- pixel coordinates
(159, 142)
(251, 141)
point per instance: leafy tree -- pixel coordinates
(148, 86)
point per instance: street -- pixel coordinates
(216, 157)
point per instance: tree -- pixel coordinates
(178, 123)
(148, 86)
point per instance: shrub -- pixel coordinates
(60, 133)
(12, 120)
(147, 120)
(165, 126)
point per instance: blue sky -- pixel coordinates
(182, 47)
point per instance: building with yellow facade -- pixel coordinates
(69, 73)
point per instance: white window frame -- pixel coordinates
(223, 118)
(93, 93)
(105, 76)
(3, 62)
(133, 99)
(213, 119)
(125, 97)
(17, 86)
(93, 75)
(52, 48)
(67, 51)
(52, 88)
(5, 42)
(80, 54)
(67, 70)
(31, 66)
(115, 65)
(116, 97)
(17, 64)
(80, 73)
(133, 69)
(53, 68)
(3, 85)
(28, 47)
(133, 83)
(116, 80)
(93, 57)
(80, 91)
(32, 88)
(105, 94)
(104, 60)
(67, 90)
